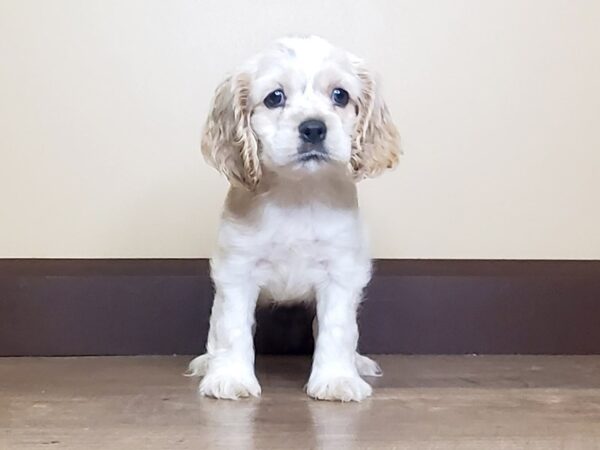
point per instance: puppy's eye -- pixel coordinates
(275, 99)
(340, 97)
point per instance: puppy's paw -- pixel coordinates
(198, 366)
(367, 367)
(229, 384)
(338, 388)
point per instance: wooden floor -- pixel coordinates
(460, 402)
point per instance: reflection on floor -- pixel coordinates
(422, 402)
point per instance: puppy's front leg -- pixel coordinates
(334, 375)
(228, 365)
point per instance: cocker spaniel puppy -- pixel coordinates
(293, 130)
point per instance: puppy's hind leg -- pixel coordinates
(366, 366)
(198, 366)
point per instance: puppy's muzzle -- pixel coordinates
(312, 133)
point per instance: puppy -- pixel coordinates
(293, 130)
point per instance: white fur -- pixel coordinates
(290, 230)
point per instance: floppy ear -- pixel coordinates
(375, 143)
(228, 142)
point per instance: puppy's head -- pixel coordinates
(298, 108)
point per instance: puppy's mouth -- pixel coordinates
(313, 156)
(317, 153)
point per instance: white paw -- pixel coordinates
(367, 367)
(229, 381)
(231, 386)
(198, 366)
(223, 378)
(340, 388)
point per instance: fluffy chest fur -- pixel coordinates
(293, 239)
(302, 249)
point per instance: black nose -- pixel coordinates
(312, 131)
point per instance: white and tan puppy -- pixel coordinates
(293, 130)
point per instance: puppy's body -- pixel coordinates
(293, 237)
(291, 230)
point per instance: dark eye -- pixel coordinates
(275, 99)
(340, 97)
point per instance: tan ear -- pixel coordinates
(228, 142)
(375, 143)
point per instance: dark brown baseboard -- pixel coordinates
(128, 307)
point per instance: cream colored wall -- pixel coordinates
(498, 102)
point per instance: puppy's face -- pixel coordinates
(304, 105)
(297, 108)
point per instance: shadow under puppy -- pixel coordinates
(293, 130)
